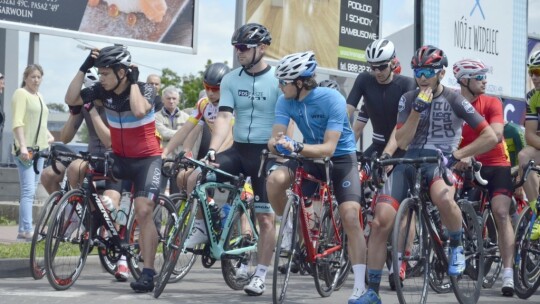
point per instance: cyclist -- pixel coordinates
(514, 136)
(329, 83)
(136, 149)
(326, 133)
(251, 92)
(429, 119)
(496, 169)
(381, 89)
(397, 66)
(531, 151)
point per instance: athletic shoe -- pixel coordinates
(357, 293)
(242, 273)
(122, 272)
(198, 235)
(144, 284)
(508, 287)
(369, 297)
(255, 287)
(535, 233)
(456, 264)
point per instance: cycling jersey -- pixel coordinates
(441, 124)
(533, 105)
(253, 98)
(323, 109)
(491, 108)
(204, 111)
(515, 140)
(131, 137)
(380, 102)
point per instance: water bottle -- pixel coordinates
(108, 203)
(215, 215)
(123, 213)
(224, 214)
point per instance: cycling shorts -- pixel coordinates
(145, 173)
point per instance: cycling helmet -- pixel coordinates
(429, 56)
(329, 83)
(467, 68)
(214, 73)
(379, 51)
(397, 66)
(534, 59)
(296, 65)
(90, 77)
(113, 56)
(251, 33)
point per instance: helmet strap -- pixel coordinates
(254, 62)
(118, 80)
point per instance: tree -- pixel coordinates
(57, 107)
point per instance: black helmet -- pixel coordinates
(251, 33)
(113, 56)
(329, 83)
(429, 56)
(214, 73)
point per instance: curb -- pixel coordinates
(20, 268)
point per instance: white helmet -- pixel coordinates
(296, 65)
(329, 83)
(90, 77)
(380, 51)
(467, 68)
(534, 59)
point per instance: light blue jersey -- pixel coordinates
(253, 99)
(322, 110)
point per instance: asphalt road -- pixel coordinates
(199, 286)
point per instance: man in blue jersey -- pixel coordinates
(251, 92)
(321, 116)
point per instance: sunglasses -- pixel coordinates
(211, 87)
(426, 72)
(480, 77)
(285, 82)
(534, 71)
(380, 67)
(244, 47)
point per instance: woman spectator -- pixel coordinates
(30, 131)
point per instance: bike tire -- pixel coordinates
(526, 261)
(37, 248)
(492, 256)
(408, 218)
(285, 251)
(68, 240)
(468, 285)
(439, 280)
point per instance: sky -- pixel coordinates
(216, 25)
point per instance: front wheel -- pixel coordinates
(527, 257)
(492, 255)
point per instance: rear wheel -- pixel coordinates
(492, 255)
(527, 257)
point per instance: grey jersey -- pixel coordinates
(441, 124)
(94, 144)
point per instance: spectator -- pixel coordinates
(30, 114)
(155, 80)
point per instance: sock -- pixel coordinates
(122, 261)
(374, 278)
(508, 273)
(455, 238)
(199, 223)
(359, 276)
(261, 271)
(391, 270)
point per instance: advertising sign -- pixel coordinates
(161, 24)
(338, 31)
(494, 32)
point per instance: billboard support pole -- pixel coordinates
(239, 20)
(418, 23)
(10, 58)
(33, 48)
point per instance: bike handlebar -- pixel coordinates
(266, 154)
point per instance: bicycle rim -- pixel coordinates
(68, 241)
(107, 264)
(526, 260)
(467, 286)
(37, 249)
(492, 255)
(414, 288)
(439, 280)
(285, 251)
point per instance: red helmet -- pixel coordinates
(397, 66)
(429, 56)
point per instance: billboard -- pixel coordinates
(494, 32)
(338, 31)
(160, 24)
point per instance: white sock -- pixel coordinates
(359, 276)
(508, 273)
(261, 271)
(199, 223)
(392, 264)
(122, 261)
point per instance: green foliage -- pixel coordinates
(57, 107)
(6, 221)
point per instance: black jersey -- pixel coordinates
(380, 102)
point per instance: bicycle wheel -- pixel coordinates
(467, 286)
(492, 255)
(37, 249)
(415, 288)
(285, 251)
(176, 238)
(108, 264)
(439, 280)
(68, 240)
(327, 270)
(237, 270)
(164, 216)
(186, 259)
(527, 257)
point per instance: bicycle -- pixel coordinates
(228, 244)
(414, 214)
(323, 236)
(73, 231)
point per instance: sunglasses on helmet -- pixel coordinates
(534, 71)
(210, 87)
(244, 47)
(426, 72)
(379, 67)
